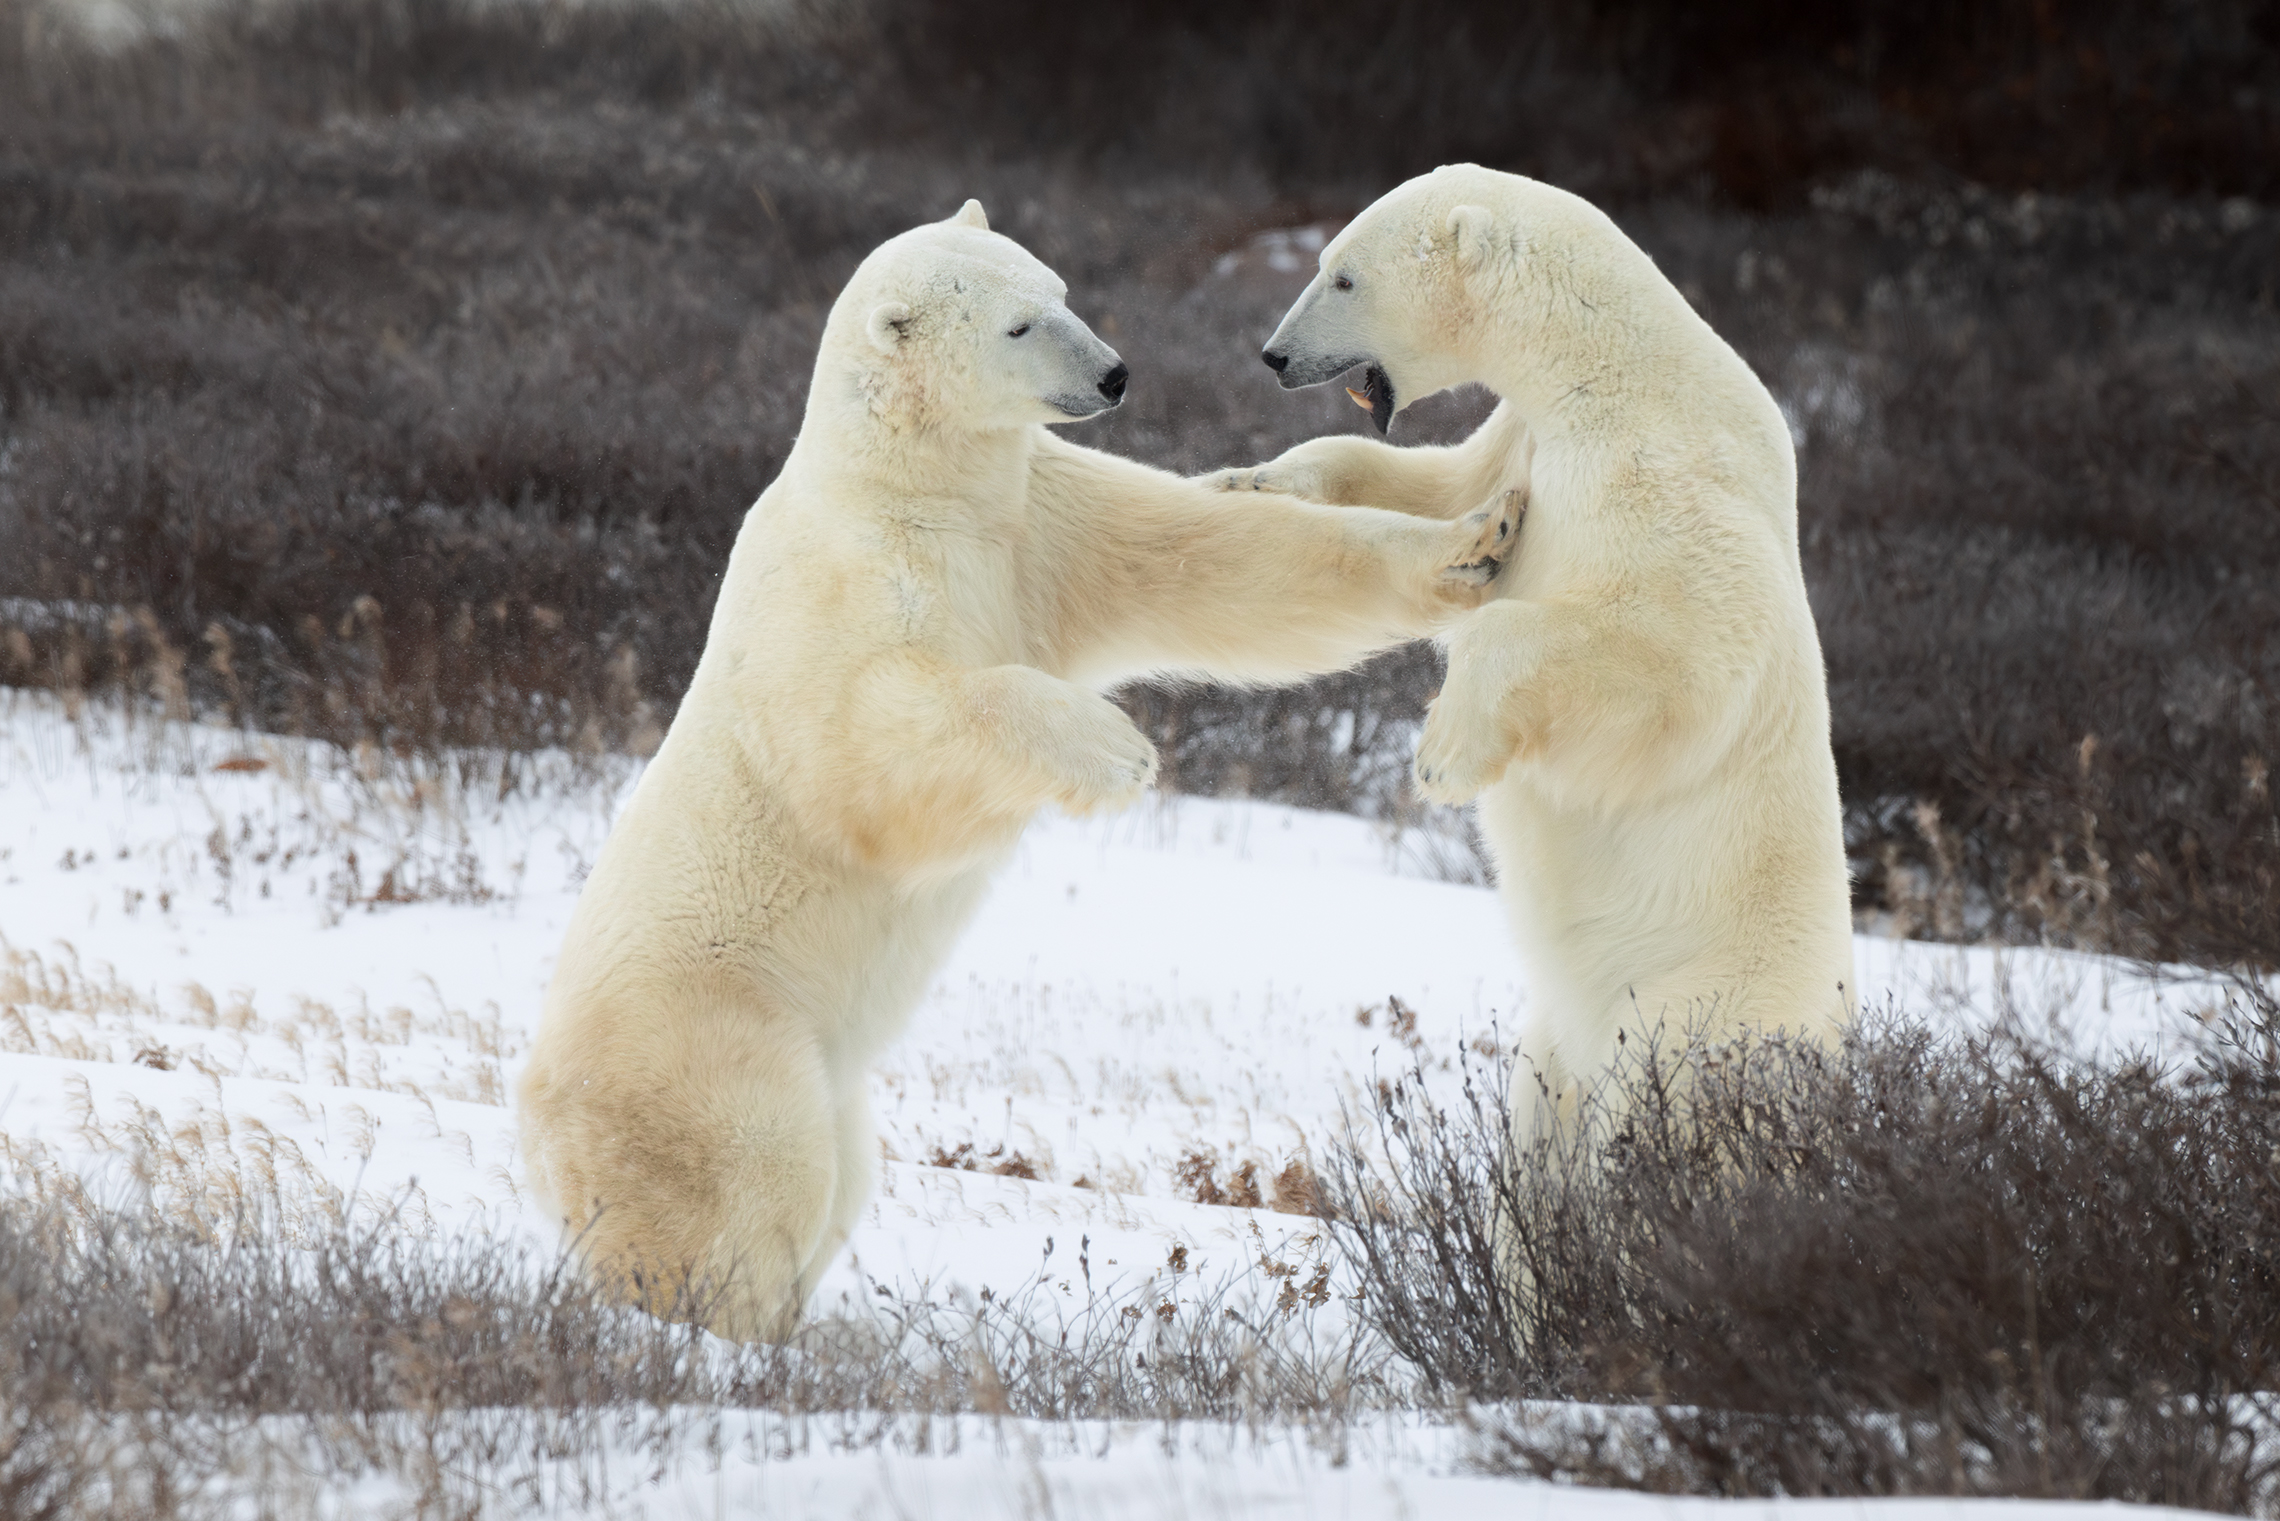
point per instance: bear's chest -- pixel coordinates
(965, 600)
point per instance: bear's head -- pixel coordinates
(953, 326)
(1415, 288)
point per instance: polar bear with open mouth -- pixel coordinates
(1642, 709)
(906, 662)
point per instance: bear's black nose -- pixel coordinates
(1112, 384)
(1275, 362)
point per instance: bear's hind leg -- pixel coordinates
(853, 1180)
(701, 1185)
(858, 1170)
(779, 1181)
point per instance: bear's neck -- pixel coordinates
(978, 474)
(1647, 352)
(1557, 390)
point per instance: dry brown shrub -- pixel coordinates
(1916, 1264)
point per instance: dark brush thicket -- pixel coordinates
(1754, 101)
(1916, 1265)
(400, 369)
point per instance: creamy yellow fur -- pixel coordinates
(1642, 711)
(905, 664)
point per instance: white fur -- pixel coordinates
(904, 665)
(1643, 711)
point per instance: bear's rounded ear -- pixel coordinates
(889, 324)
(972, 215)
(1471, 228)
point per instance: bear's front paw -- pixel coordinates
(1294, 479)
(1237, 480)
(1463, 750)
(1485, 540)
(1105, 764)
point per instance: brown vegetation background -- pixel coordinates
(400, 369)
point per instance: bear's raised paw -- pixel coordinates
(1283, 478)
(1102, 761)
(1487, 538)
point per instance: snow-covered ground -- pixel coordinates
(269, 969)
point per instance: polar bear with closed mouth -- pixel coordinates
(905, 664)
(1642, 709)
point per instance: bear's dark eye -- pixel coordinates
(1017, 332)
(1343, 282)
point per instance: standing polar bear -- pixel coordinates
(904, 665)
(1642, 709)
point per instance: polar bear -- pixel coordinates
(1642, 708)
(906, 662)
